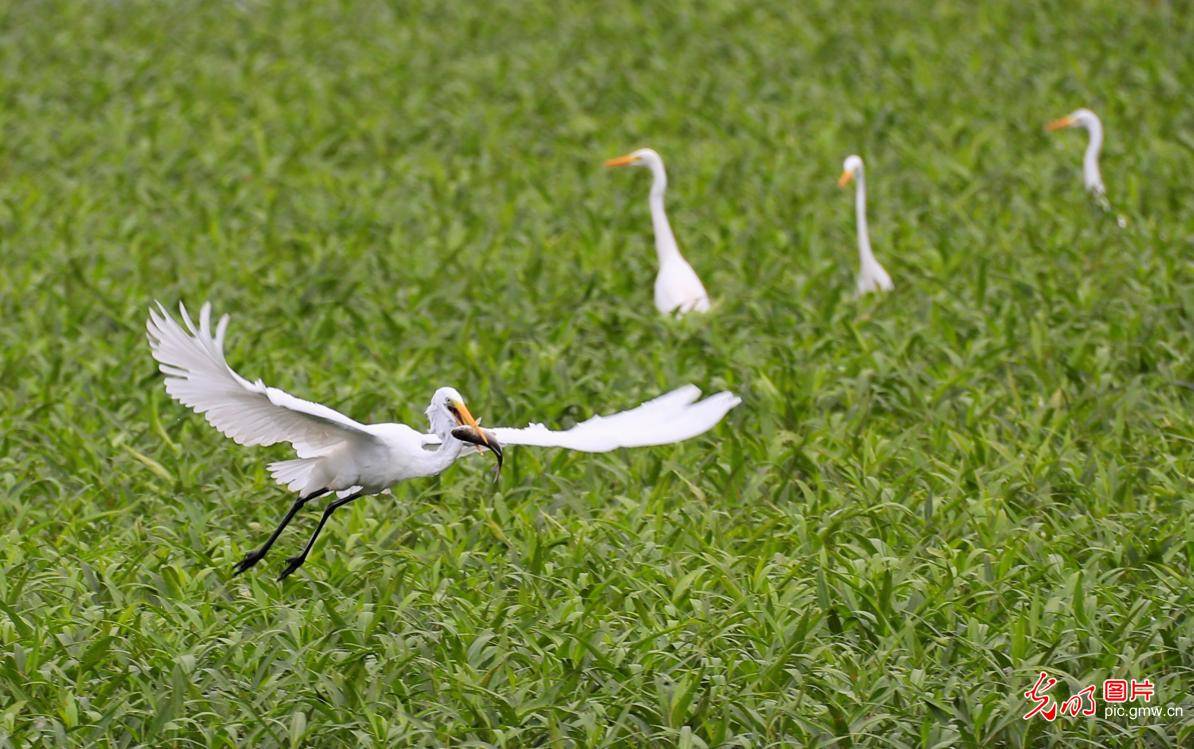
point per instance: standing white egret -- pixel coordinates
(1090, 161)
(338, 454)
(871, 275)
(677, 287)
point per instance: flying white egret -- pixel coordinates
(871, 275)
(1090, 161)
(338, 454)
(677, 287)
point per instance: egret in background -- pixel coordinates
(871, 275)
(1087, 119)
(339, 455)
(677, 288)
(1091, 177)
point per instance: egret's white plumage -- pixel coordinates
(1088, 120)
(871, 275)
(677, 288)
(339, 454)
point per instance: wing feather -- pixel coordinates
(249, 412)
(671, 417)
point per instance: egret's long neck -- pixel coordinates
(864, 239)
(1090, 161)
(438, 461)
(665, 241)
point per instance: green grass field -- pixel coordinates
(925, 499)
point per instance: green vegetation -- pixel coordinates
(926, 498)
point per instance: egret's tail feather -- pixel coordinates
(295, 475)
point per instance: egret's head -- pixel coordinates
(642, 157)
(447, 411)
(1078, 118)
(851, 168)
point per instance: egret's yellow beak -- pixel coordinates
(1059, 124)
(844, 180)
(461, 413)
(626, 160)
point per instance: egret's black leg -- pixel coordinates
(255, 556)
(293, 563)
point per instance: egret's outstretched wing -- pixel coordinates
(669, 418)
(249, 412)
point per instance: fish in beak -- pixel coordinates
(475, 435)
(470, 431)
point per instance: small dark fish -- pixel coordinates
(481, 438)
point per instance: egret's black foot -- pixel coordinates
(252, 558)
(292, 564)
